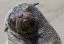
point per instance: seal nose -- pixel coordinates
(24, 15)
(20, 16)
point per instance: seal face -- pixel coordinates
(26, 23)
(24, 20)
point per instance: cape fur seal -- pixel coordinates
(25, 24)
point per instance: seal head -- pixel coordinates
(23, 19)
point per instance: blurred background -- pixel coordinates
(53, 10)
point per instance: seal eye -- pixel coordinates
(30, 8)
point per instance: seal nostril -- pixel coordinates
(20, 16)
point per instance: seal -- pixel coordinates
(25, 24)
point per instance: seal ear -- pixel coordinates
(35, 4)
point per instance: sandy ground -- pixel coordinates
(53, 10)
